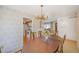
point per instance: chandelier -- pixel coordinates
(42, 16)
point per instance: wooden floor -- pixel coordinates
(70, 46)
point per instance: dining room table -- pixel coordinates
(42, 45)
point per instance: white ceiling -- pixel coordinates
(50, 10)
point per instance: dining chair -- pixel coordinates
(61, 43)
(40, 34)
(33, 35)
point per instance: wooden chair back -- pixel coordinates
(60, 49)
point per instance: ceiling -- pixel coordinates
(50, 10)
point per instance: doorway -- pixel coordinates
(27, 24)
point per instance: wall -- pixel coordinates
(77, 25)
(67, 26)
(11, 30)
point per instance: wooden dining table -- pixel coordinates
(39, 45)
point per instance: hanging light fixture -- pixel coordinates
(42, 16)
